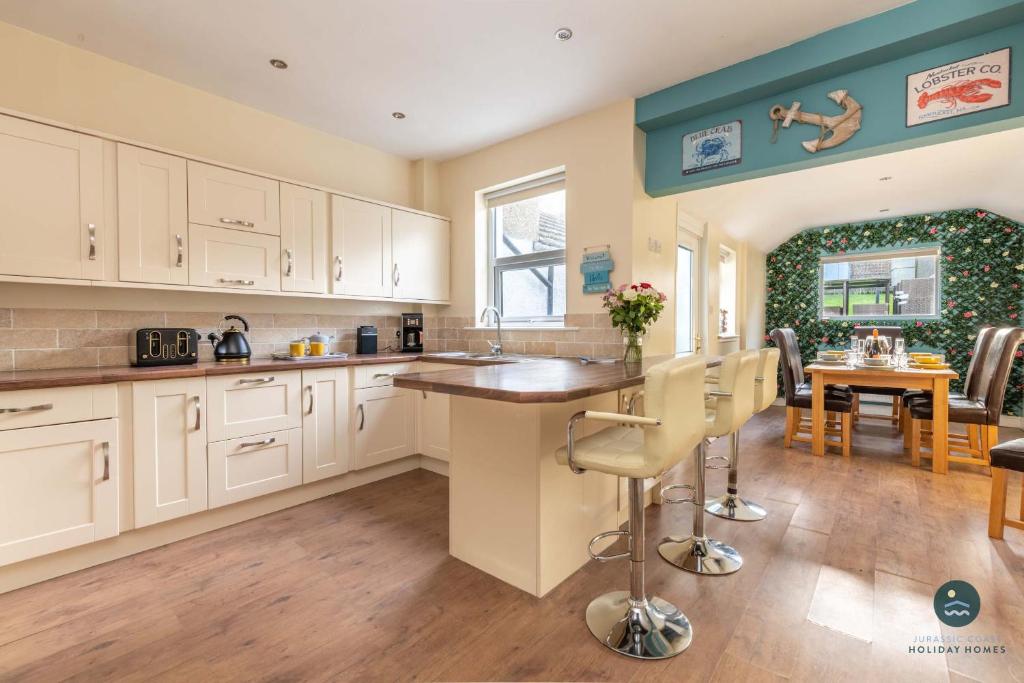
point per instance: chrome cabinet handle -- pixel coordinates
(256, 380)
(379, 375)
(288, 254)
(264, 442)
(337, 262)
(235, 221)
(235, 282)
(362, 416)
(28, 409)
(181, 251)
(310, 389)
(199, 413)
(397, 276)
(106, 461)
(92, 241)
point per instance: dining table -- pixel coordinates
(936, 381)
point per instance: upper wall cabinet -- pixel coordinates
(51, 202)
(420, 247)
(303, 240)
(152, 216)
(230, 199)
(360, 248)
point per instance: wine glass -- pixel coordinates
(900, 351)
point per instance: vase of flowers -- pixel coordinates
(633, 309)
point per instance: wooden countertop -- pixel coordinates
(547, 380)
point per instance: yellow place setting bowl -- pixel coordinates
(920, 354)
(928, 360)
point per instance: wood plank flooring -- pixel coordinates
(837, 583)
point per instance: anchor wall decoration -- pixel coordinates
(834, 130)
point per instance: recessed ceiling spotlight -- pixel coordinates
(563, 34)
(883, 210)
(278, 63)
(885, 177)
(397, 115)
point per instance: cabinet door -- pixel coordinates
(169, 436)
(360, 248)
(230, 258)
(242, 405)
(51, 201)
(434, 433)
(254, 466)
(59, 488)
(231, 199)
(303, 239)
(383, 424)
(325, 423)
(420, 245)
(152, 216)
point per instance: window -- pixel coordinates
(890, 284)
(526, 250)
(726, 292)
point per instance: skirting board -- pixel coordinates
(434, 465)
(1011, 421)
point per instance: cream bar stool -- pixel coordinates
(631, 622)
(766, 390)
(727, 409)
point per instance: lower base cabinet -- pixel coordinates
(253, 466)
(325, 423)
(384, 421)
(58, 489)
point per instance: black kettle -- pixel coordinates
(232, 346)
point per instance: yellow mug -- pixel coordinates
(297, 349)
(317, 348)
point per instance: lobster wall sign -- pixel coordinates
(832, 130)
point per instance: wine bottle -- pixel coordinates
(874, 346)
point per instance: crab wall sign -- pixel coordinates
(832, 130)
(711, 148)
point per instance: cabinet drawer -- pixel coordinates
(383, 424)
(254, 466)
(230, 199)
(38, 407)
(380, 375)
(228, 258)
(243, 405)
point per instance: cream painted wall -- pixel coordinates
(46, 78)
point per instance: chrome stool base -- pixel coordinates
(731, 506)
(701, 555)
(644, 629)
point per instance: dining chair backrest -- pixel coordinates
(999, 359)
(766, 387)
(673, 392)
(982, 345)
(735, 377)
(792, 365)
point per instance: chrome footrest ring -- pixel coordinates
(602, 536)
(673, 487)
(718, 458)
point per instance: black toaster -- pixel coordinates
(165, 346)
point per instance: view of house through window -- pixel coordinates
(526, 225)
(883, 284)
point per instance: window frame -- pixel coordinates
(498, 265)
(934, 250)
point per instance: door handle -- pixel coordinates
(199, 413)
(181, 251)
(28, 409)
(362, 416)
(263, 442)
(256, 380)
(235, 221)
(288, 255)
(310, 389)
(235, 282)
(397, 276)
(92, 241)
(106, 460)
(337, 262)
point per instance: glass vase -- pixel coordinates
(634, 348)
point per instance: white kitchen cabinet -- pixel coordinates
(56, 405)
(58, 489)
(361, 262)
(219, 257)
(231, 199)
(51, 202)
(325, 423)
(253, 466)
(152, 217)
(169, 437)
(384, 421)
(303, 239)
(421, 253)
(433, 418)
(243, 405)
(380, 375)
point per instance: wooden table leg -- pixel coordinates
(940, 425)
(818, 413)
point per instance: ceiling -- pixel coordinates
(970, 173)
(467, 73)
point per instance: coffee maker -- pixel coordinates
(412, 332)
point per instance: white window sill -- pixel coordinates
(522, 326)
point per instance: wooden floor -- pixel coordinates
(837, 583)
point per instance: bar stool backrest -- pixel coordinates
(982, 345)
(792, 365)
(735, 376)
(1004, 347)
(766, 389)
(674, 392)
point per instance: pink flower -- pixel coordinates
(970, 353)
(986, 268)
(646, 285)
(662, 297)
(828, 243)
(950, 304)
(842, 251)
(966, 273)
(968, 314)
(773, 259)
(1013, 316)
(919, 324)
(1007, 230)
(622, 288)
(1015, 285)
(799, 266)
(933, 231)
(1019, 354)
(842, 241)
(824, 340)
(981, 214)
(949, 258)
(767, 338)
(770, 289)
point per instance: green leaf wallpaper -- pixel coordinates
(981, 278)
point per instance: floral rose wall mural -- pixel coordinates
(981, 282)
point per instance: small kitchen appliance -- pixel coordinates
(412, 332)
(366, 339)
(231, 346)
(164, 346)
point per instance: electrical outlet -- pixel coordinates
(653, 245)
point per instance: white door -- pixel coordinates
(169, 437)
(303, 239)
(325, 423)
(360, 248)
(231, 199)
(51, 202)
(254, 466)
(58, 489)
(688, 329)
(384, 425)
(152, 216)
(218, 257)
(420, 248)
(241, 405)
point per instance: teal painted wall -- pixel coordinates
(880, 89)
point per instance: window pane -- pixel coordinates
(684, 297)
(903, 284)
(533, 292)
(530, 226)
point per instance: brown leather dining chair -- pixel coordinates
(838, 400)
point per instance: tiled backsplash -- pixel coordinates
(594, 336)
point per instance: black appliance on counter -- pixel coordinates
(412, 332)
(231, 346)
(366, 339)
(165, 346)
